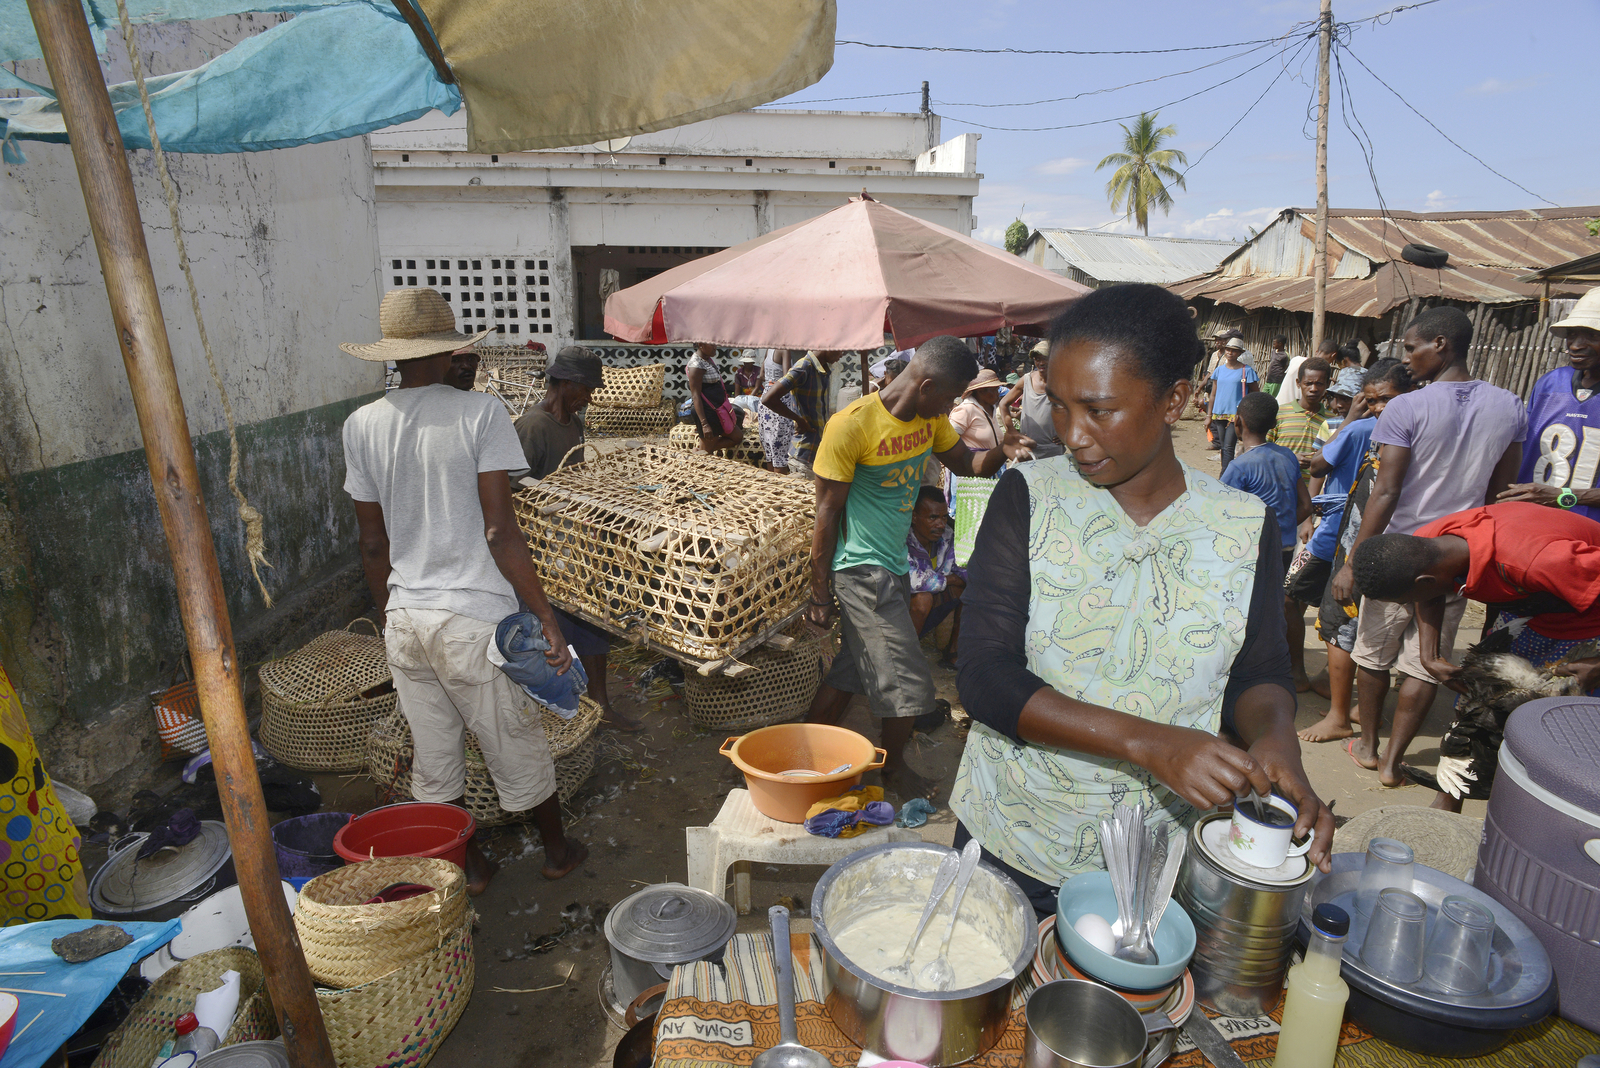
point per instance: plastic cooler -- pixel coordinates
(1541, 841)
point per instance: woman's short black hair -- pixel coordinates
(1392, 371)
(1150, 325)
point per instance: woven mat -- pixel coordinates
(711, 1019)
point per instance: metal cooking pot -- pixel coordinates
(660, 927)
(1076, 1024)
(934, 1028)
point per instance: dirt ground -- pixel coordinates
(543, 1008)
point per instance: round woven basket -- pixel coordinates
(630, 387)
(137, 1040)
(778, 690)
(1444, 841)
(687, 436)
(318, 704)
(572, 744)
(348, 942)
(399, 1021)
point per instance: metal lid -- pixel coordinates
(250, 1055)
(670, 923)
(127, 884)
(1558, 740)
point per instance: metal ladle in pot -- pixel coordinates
(788, 1053)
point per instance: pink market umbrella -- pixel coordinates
(842, 281)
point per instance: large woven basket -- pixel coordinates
(400, 1020)
(348, 942)
(318, 704)
(686, 436)
(631, 387)
(629, 422)
(390, 754)
(778, 690)
(137, 1040)
(696, 554)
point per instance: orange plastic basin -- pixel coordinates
(765, 755)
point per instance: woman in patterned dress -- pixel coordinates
(777, 433)
(1123, 638)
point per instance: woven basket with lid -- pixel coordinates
(686, 436)
(348, 942)
(318, 704)
(780, 688)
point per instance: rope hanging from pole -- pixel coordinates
(254, 527)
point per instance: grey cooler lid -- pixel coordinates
(249, 1055)
(127, 884)
(1558, 740)
(670, 924)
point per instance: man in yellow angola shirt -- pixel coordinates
(869, 471)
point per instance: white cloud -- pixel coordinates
(1224, 223)
(1438, 201)
(1068, 165)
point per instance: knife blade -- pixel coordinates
(1204, 1034)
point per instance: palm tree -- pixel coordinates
(1143, 169)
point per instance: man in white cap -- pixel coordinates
(1563, 450)
(428, 466)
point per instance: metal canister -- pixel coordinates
(1244, 927)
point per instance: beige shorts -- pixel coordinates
(447, 686)
(1386, 636)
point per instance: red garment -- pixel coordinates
(1518, 550)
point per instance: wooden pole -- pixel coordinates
(142, 336)
(1319, 300)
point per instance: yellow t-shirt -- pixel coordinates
(877, 514)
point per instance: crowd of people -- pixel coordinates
(1127, 626)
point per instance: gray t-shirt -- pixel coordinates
(545, 441)
(1457, 432)
(418, 452)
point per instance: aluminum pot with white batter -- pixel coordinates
(934, 1028)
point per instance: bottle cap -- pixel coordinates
(186, 1023)
(1331, 920)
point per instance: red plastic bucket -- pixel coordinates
(412, 829)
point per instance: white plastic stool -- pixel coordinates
(740, 834)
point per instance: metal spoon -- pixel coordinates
(938, 975)
(1154, 868)
(900, 974)
(1135, 867)
(788, 1053)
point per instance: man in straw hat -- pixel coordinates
(428, 467)
(1563, 451)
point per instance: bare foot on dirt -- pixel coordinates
(1329, 728)
(616, 721)
(1361, 753)
(480, 869)
(576, 854)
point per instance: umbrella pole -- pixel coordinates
(142, 336)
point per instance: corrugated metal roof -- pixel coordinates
(1490, 254)
(1134, 257)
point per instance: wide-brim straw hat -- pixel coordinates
(985, 379)
(1041, 348)
(1585, 313)
(416, 323)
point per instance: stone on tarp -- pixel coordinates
(91, 942)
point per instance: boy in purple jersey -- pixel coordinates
(1563, 451)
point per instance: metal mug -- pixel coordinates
(1076, 1024)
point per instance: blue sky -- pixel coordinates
(1509, 81)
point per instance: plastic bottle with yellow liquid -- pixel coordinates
(1313, 1009)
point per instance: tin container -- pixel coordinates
(660, 927)
(1244, 922)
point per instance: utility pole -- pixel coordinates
(1319, 300)
(927, 119)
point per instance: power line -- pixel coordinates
(1363, 139)
(1056, 51)
(1284, 70)
(1441, 133)
(836, 99)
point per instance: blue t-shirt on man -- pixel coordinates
(1272, 473)
(1344, 453)
(1229, 387)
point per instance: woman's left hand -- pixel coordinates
(1289, 776)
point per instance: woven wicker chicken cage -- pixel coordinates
(318, 704)
(686, 436)
(503, 359)
(778, 689)
(572, 744)
(698, 557)
(629, 422)
(631, 387)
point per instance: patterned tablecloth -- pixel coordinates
(716, 1016)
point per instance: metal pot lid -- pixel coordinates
(250, 1055)
(127, 884)
(670, 923)
(1211, 836)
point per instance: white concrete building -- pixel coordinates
(523, 242)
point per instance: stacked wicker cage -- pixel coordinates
(137, 1040)
(631, 387)
(686, 436)
(601, 422)
(394, 976)
(319, 703)
(696, 555)
(572, 743)
(511, 362)
(777, 690)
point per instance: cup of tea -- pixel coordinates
(1262, 834)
